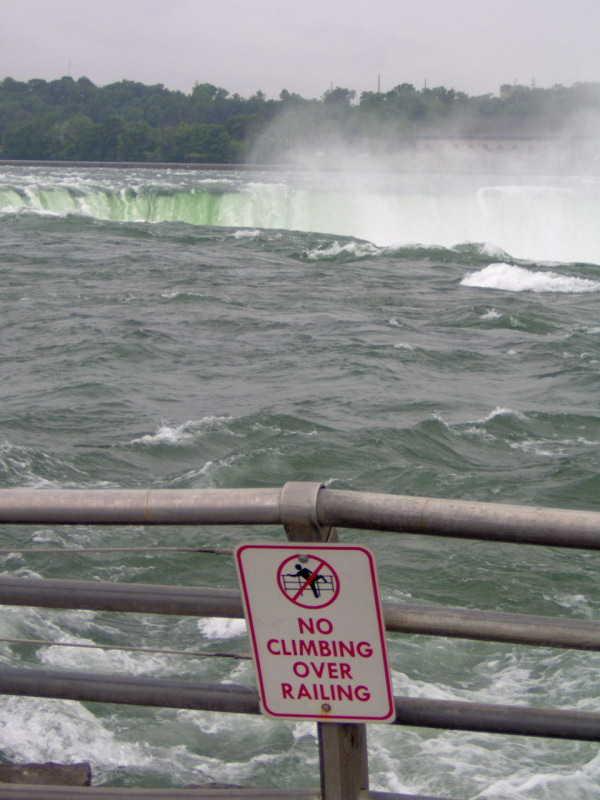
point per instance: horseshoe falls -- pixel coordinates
(535, 219)
(410, 333)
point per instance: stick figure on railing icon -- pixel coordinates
(307, 575)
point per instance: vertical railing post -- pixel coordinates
(343, 760)
(342, 746)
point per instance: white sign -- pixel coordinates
(317, 632)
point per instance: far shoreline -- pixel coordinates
(444, 162)
(145, 165)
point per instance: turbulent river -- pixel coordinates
(410, 334)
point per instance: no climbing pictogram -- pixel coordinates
(308, 581)
(317, 631)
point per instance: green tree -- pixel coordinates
(74, 140)
(291, 98)
(28, 140)
(135, 141)
(339, 96)
(243, 126)
(108, 136)
(210, 144)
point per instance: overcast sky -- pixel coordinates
(304, 46)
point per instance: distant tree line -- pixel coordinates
(69, 119)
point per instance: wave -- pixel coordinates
(511, 278)
(338, 252)
(177, 434)
(556, 222)
(474, 253)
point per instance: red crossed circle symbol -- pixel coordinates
(313, 584)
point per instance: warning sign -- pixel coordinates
(317, 632)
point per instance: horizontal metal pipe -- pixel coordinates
(194, 601)
(86, 687)
(394, 796)
(362, 510)
(491, 718)
(460, 519)
(15, 791)
(140, 506)
(492, 626)
(31, 792)
(105, 596)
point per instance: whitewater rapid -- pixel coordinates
(536, 218)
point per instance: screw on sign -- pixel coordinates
(317, 633)
(308, 581)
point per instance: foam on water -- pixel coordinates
(246, 234)
(573, 602)
(502, 412)
(176, 434)
(492, 250)
(491, 313)
(510, 278)
(108, 661)
(63, 731)
(66, 732)
(21, 466)
(553, 222)
(218, 628)
(354, 249)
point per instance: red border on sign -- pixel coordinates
(387, 717)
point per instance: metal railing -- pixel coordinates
(308, 512)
